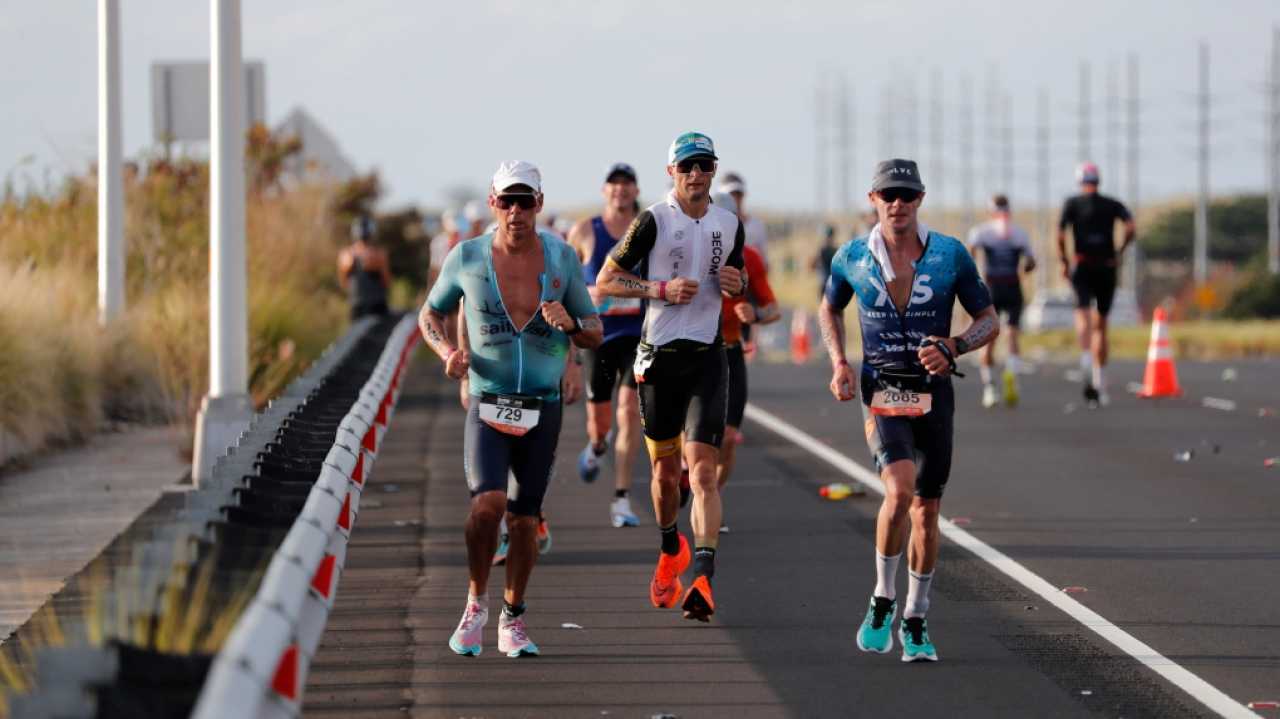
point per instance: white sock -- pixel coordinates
(917, 594)
(481, 599)
(1013, 364)
(985, 372)
(1086, 361)
(1099, 377)
(886, 573)
(502, 526)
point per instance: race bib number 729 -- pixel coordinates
(510, 415)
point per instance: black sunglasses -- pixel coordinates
(525, 201)
(892, 194)
(706, 164)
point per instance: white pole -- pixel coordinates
(110, 182)
(226, 411)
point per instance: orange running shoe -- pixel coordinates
(664, 590)
(698, 603)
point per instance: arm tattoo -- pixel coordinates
(432, 324)
(831, 323)
(980, 332)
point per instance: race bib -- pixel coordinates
(892, 402)
(644, 359)
(508, 414)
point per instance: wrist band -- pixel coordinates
(452, 352)
(662, 289)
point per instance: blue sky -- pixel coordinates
(434, 95)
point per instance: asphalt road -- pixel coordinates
(1181, 555)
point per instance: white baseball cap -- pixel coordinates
(516, 172)
(474, 211)
(733, 182)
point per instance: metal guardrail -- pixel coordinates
(266, 533)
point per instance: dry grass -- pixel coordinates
(61, 374)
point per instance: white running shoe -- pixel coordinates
(513, 640)
(990, 397)
(1104, 399)
(621, 515)
(466, 639)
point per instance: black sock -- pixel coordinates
(599, 449)
(704, 562)
(620, 493)
(512, 611)
(670, 539)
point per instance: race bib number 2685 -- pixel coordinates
(892, 402)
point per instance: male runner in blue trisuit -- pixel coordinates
(904, 280)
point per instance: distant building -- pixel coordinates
(320, 152)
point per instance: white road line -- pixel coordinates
(1199, 689)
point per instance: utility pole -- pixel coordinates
(1273, 156)
(1083, 149)
(1132, 132)
(1112, 120)
(820, 148)
(110, 179)
(936, 164)
(1007, 183)
(226, 410)
(1200, 264)
(1046, 202)
(966, 148)
(991, 151)
(913, 119)
(842, 204)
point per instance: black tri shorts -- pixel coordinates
(683, 390)
(737, 364)
(608, 366)
(925, 440)
(1007, 299)
(1094, 282)
(489, 454)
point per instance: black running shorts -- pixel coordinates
(1007, 299)
(925, 440)
(608, 365)
(737, 365)
(684, 391)
(488, 455)
(1094, 282)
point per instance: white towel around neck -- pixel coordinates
(875, 243)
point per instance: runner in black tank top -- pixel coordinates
(364, 272)
(609, 365)
(1092, 218)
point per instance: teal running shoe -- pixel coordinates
(876, 632)
(916, 646)
(500, 556)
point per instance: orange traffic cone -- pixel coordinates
(1161, 379)
(799, 337)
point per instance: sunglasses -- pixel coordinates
(893, 194)
(525, 201)
(706, 164)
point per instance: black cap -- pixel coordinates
(362, 228)
(620, 168)
(897, 173)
